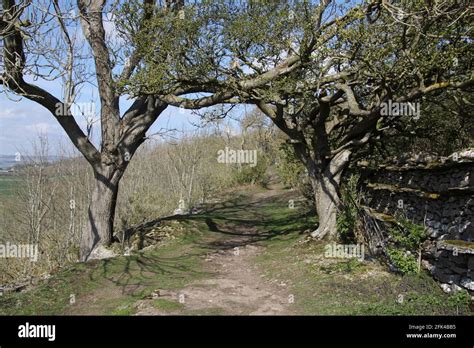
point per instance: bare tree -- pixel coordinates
(118, 70)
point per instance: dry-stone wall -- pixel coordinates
(438, 193)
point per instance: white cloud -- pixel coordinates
(22, 122)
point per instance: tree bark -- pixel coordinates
(101, 213)
(326, 188)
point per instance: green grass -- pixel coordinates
(8, 184)
(319, 285)
(345, 287)
(167, 305)
(349, 287)
(122, 307)
(112, 286)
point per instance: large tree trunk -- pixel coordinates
(326, 188)
(327, 200)
(100, 226)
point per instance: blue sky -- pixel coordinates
(22, 121)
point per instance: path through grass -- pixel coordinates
(246, 255)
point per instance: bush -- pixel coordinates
(289, 168)
(407, 237)
(408, 234)
(460, 299)
(252, 175)
(292, 172)
(347, 216)
(403, 261)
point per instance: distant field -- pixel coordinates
(7, 184)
